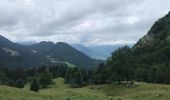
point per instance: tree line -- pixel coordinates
(38, 77)
(122, 66)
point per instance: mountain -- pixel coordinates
(101, 52)
(43, 53)
(62, 52)
(148, 60)
(154, 47)
(83, 49)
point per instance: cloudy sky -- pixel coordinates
(87, 22)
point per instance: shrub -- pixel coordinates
(20, 83)
(10, 82)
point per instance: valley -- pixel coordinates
(84, 50)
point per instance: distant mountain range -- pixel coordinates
(43, 53)
(100, 52)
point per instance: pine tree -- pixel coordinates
(67, 75)
(45, 79)
(77, 79)
(34, 85)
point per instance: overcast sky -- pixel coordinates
(87, 22)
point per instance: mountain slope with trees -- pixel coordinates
(148, 60)
(43, 53)
(155, 46)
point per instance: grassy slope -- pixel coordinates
(102, 92)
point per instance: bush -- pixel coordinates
(20, 83)
(74, 85)
(10, 82)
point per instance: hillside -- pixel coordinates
(154, 47)
(44, 53)
(60, 91)
(62, 52)
(148, 60)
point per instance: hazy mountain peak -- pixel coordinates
(4, 41)
(46, 43)
(61, 43)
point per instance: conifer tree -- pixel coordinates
(34, 85)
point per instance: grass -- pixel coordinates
(60, 91)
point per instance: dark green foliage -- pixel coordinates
(148, 60)
(76, 80)
(118, 68)
(34, 85)
(45, 79)
(78, 77)
(142, 73)
(43, 53)
(18, 77)
(20, 83)
(68, 75)
(10, 82)
(100, 75)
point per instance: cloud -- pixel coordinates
(79, 21)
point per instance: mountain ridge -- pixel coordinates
(44, 53)
(155, 44)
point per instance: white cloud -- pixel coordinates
(80, 21)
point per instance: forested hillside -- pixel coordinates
(44, 53)
(148, 60)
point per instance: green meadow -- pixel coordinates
(61, 91)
